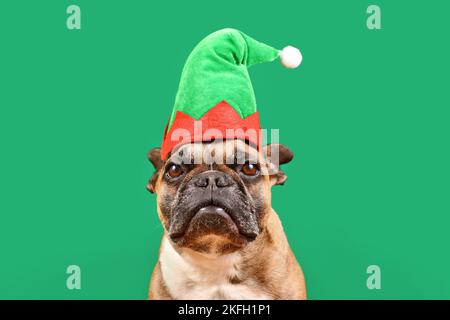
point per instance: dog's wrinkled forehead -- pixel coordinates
(216, 152)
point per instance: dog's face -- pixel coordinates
(213, 197)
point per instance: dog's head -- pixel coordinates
(213, 197)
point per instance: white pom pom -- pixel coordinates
(290, 57)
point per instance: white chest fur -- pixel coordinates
(194, 276)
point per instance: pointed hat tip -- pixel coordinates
(290, 57)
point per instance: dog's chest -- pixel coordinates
(196, 277)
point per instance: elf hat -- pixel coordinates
(215, 98)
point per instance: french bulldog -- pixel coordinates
(222, 238)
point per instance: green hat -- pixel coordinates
(216, 73)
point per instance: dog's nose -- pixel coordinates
(212, 179)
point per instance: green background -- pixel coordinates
(367, 116)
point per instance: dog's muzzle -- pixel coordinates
(212, 202)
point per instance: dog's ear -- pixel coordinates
(154, 156)
(277, 154)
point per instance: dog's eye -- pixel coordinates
(174, 171)
(250, 169)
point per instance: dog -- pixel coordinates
(222, 238)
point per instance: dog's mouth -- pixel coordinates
(211, 219)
